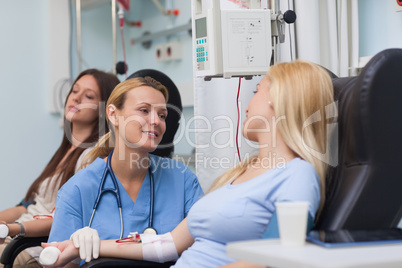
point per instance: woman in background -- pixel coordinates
(84, 122)
(240, 205)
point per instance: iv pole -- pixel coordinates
(78, 29)
(114, 36)
(275, 47)
(278, 26)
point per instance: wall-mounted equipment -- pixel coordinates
(231, 42)
(160, 53)
(246, 42)
(168, 51)
(228, 43)
(398, 5)
(173, 51)
(166, 12)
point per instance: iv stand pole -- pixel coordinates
(113, 2)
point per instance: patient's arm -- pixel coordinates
(182, 237)
(109, 248)
(11, 214)
(34, 228)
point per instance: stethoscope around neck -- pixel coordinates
(116, 192)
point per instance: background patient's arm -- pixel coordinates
(11, 214)
(34, 228)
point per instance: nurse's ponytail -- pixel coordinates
(102, 149)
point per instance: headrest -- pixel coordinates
(363, 190)
(378, 104)
(369, 108)
(174, 106)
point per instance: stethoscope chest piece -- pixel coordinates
(150, 230)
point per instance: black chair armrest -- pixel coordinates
(17, 245)
(115, 262)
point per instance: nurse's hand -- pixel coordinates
(68, 252)
(87, 240)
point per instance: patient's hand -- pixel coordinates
(68, 252)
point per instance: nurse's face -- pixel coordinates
(82, 105)
(259, 112)
(141, 122)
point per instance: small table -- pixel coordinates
(270, 252)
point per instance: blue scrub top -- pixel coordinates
(176, 190)
(242, 211)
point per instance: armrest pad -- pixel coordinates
(12, 250)
(115, 262)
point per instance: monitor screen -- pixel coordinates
(201, 28)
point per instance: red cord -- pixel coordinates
(37, 217)
(238, 120)
(136, 239)
(45, 216)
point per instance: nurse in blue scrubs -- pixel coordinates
(136, 112)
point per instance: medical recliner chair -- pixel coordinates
(164, 149)
(364, 190)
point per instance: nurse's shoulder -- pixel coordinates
(86, 178)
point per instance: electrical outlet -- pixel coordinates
(173, 51)
(160, 53)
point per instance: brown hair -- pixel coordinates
(106, 82)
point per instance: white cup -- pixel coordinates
(292, 222)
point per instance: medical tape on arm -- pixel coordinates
(158, 248)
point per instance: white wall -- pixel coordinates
(29, 134)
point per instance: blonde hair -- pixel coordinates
(298, 90)
(106, 143)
